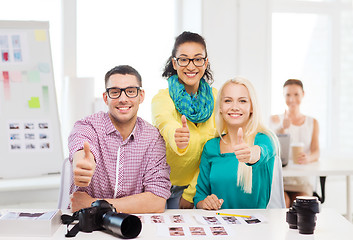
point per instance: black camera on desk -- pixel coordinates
(102, 215)
(302, 215)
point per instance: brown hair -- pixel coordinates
(294, 82)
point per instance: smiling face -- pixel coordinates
(235, 105)
(293, 95)
(123, 110)
(190, 75)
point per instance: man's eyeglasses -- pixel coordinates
(183, 62)
(130, 92)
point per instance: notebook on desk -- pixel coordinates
(284, 142)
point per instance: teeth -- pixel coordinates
(123, 108)
(190, 74)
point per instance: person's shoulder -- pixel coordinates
(147, 128)
(311, 118)
(162, 97)
(260, 136)
(214, 91)
(94, 119)
(162, 93)
(212, 142)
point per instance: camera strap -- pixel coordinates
(67, 219)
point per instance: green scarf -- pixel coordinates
(197, 108)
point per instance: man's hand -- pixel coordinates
(84, 166)
(80, 200)
(182, 135)
(211, 202)
(184, 204)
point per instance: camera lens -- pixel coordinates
(306, 208)
(291, 218)
(125, 225)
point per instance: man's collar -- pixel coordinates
(110, 127)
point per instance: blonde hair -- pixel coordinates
(253, 126)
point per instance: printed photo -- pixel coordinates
(177, 219)
(14, 126)
(157, 219)
(30, 146)
(44, 145)
(231, 220)
(252, 220)
(15, 146)
(211, 220)
(43, 125)
(29, 125)
(43, 136)
(29, 136)
(218, 230)
(15, 136)
(197, 231)
(176, 231)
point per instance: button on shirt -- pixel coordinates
(142, 163)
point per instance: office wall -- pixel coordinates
(237, 35)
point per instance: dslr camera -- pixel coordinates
(302, 215)
(103, 216)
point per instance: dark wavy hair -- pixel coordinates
(294, 82)
(123, 70)
(183, 38)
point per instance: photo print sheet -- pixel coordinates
(29, 135)
(229, 220)
(165, 218)
(196, 231)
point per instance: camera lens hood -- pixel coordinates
(307, 204)
(122, 224)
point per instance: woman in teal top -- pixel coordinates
(236, 168)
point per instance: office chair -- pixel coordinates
(66, 175)
(322, 187)
(277, 193)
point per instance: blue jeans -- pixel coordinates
(173, 201)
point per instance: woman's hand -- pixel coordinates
(182, 135)
(303, 158)
(184, 204)
(286, 121)
(211, 202)
(244, 152)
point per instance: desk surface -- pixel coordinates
(329, 225)
(326, 167)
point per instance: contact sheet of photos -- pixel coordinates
(29, 136)
(184, 225)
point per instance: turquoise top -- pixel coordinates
(218, 175)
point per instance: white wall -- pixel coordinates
(238, 41)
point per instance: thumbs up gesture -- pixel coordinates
(182, 135)
(244, 152)
(84, 166)
(286, 120)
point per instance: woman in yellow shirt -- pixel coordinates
(184, 114)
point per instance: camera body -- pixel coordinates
(91, 219)
(103, 216)
(302, 215)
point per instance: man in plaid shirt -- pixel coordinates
(118, 156)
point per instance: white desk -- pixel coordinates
(329, 225)
(325, 167)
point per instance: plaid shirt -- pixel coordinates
(142, 160)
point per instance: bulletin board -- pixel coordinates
(30, 138)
